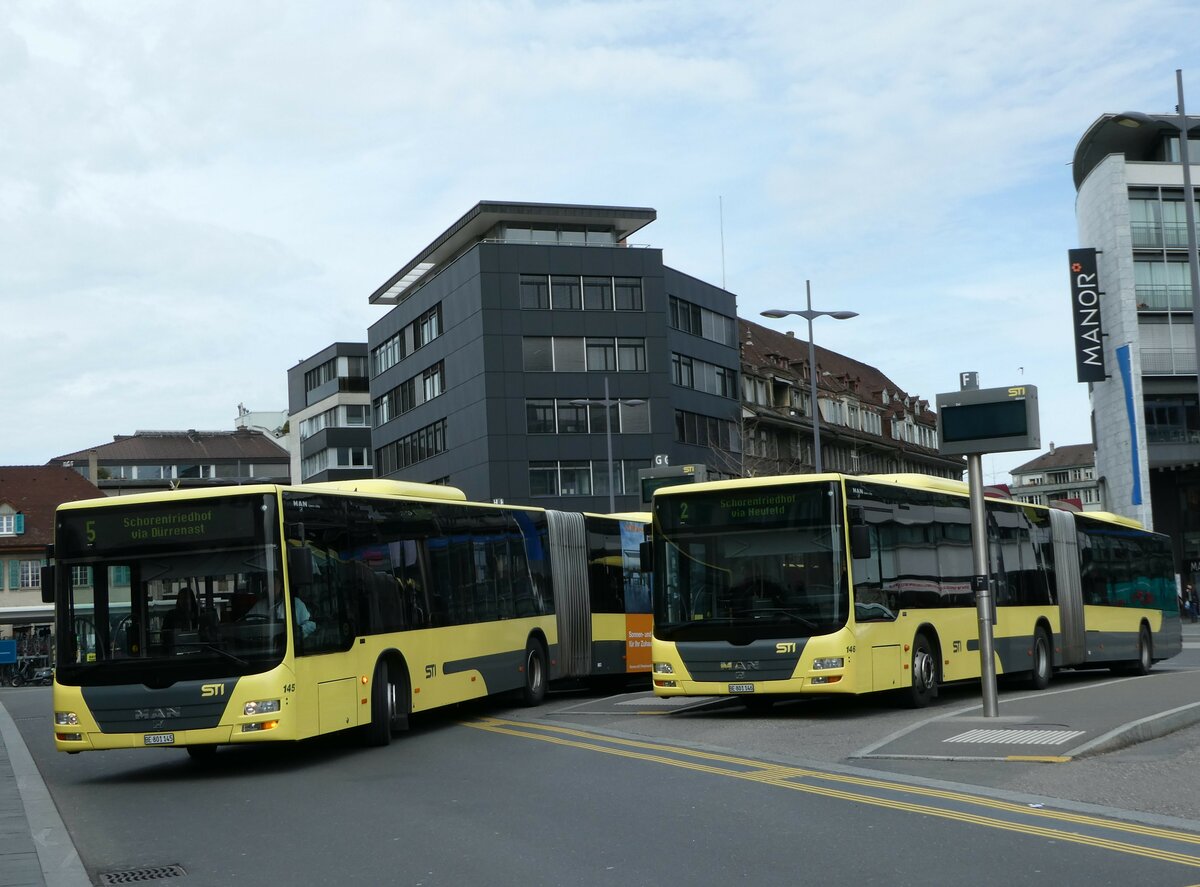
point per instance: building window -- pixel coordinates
(597, 294)
(631, 355)
(352, 457)
(689, 318)
(31, 574)
(429, 326)
(634, 418)
(568, 354)
(539, 416)
(81, 577)
(390, 353)
(535, 292)
(537, 354)
(543, 478)
(572, 418)
(601, 355)
(628, 293)
(425, 443)
(318, 376)
(708, 431)
(575, 478)
(8, 524)
(566, 293)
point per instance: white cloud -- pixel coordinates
(199, 195)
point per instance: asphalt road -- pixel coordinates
(599, 790)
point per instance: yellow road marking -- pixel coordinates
(780, 776)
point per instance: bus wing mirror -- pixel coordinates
(48, 584)
(646, 555)
(860, 542)
(300, 566)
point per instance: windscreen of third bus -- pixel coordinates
(750, 563)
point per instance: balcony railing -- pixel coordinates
(1153, 235)
(1168, 362)
(1163, 296)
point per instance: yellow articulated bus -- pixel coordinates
(830, 584)
(264, 612)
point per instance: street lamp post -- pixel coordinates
(607, 403)
(809, 314)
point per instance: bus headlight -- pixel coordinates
(66, 718)
(663, 668)
(829, 662)
(261, 707)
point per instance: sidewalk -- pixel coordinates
(1071, 719)
(35, 847)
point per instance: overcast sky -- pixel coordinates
(196, 196)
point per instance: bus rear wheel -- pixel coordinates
(923, 688)
(1145, 656)
(1043, 663)
(535, 674)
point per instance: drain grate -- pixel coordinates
(1017, 737)
(148, 873)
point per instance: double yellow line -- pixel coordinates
(829, 785)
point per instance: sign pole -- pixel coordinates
(981, 585)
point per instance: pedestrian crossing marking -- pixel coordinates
(1017, 737)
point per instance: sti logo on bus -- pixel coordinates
(788, 647)
(212, 689)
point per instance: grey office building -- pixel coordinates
(329, 415)
(527, 339)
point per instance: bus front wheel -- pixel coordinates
(389, 705)
(923, 688)
(535, 674)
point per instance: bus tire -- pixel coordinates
(923, 689)
(759, 705)
(378, 733)
(1145, 660)
(202, 754)
(535, 674)
(1043, 661)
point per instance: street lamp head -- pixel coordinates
(1133, 119)
(808, 314)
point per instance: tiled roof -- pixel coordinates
(760, 345)
(1070, 456)
(35, 491)
(183, 445)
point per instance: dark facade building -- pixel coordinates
(329, 414)
(527, 339)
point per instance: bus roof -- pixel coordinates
(369, 486)
(382, 486)
(917, 481)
